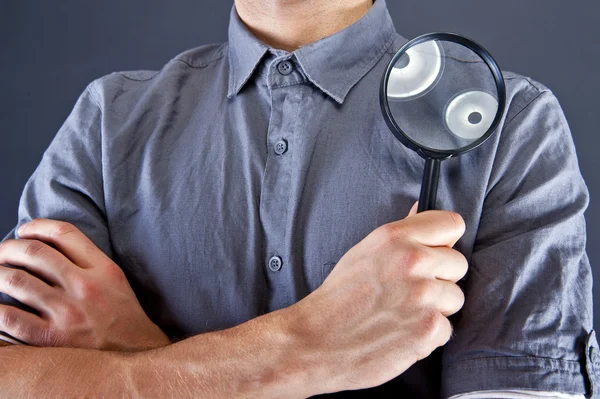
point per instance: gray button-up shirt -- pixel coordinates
(229, 183)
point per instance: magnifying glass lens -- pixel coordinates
(442, 95)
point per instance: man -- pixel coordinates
(252, 196)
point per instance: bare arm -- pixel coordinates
(256, 359)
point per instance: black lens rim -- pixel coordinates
(425, 151)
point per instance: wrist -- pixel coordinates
(293, 368)
(154, 339)
(264, 357)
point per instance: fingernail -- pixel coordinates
(21, 229)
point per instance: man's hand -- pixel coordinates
(82, 296)
(385, 304)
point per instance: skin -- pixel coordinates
(383, 307)
(290, 24)
(84, 301)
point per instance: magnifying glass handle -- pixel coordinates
(429, 187)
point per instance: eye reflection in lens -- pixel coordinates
(475, 118)
(469, 115)
(416, 71)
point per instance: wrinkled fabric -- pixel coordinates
(516, 395)
(174, 174)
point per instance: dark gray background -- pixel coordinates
(49, 52)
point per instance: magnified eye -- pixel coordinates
(469, 115)
(415, 71)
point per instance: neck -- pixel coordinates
(290, 24)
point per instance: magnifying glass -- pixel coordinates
(441, 96)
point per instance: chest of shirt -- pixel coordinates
(205, 190)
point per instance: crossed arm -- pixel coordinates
(245, 361)
(335, 339)
(84, 301)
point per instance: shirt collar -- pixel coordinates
(334, 64)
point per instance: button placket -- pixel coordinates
(285, 80)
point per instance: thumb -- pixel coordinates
(413, 210)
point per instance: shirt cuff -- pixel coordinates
(516, 394)
(514, 373)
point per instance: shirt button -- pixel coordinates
(285, 67)
(275, 263)
(280, 147)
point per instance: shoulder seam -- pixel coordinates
(141, 80)
(180, 59)
(203, 65)
(93, 95)
(540, 93)
(531, 83)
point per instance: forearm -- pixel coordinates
(260, 358)
(57, 372)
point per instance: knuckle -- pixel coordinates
(431, 324)
(428, 334)
(60, 229)
(114, 272)
(414, 257)
(68, 312)
(86, 288)
(423, 293)
(9, 320)
(385, 233)
(34, 248)
(15, 279)
(392, 232)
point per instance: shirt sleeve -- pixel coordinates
(527, 320)
(67, 185)
(516, 395)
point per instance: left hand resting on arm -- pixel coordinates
(82, 297)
